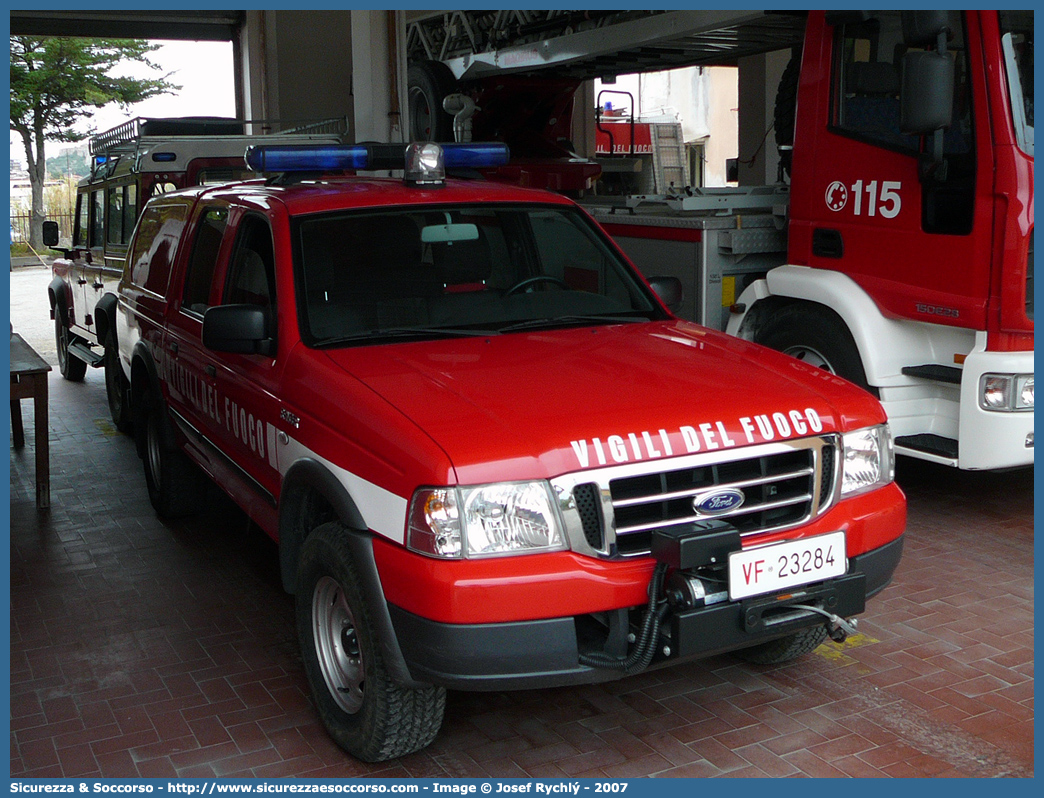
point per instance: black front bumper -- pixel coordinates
(546, 653)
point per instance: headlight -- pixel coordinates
(868, 460)
(484, 521)
(1006, 392)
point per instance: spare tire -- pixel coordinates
(428, 83)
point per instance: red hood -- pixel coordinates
(552, 402)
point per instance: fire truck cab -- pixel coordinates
(909, 264)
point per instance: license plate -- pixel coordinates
(797, 562)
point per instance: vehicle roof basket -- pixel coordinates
(108, 148)
(134, 130)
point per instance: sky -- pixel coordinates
(202, 69)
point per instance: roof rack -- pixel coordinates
(135, 129)
(127, 141)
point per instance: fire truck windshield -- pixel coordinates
(442, 271)
(1017, 40)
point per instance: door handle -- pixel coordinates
(210, 370)
(173, 347)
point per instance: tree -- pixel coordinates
(56, 83)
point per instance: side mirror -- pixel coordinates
(50, 234)
(927, 92)
(668, 289)
(243, 329)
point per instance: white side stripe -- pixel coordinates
(383, 511)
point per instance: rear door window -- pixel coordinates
(205, 249)
(152, 255)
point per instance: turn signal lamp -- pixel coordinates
(424, 164)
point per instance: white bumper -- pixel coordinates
(989, 438)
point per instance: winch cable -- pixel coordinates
(837, 620)
(648, 636)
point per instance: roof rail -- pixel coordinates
(132, 131)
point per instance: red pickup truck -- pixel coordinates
(491, 456)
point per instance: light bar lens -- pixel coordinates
(425, 164)
(306, 158)
(337, 157)
(475, 155)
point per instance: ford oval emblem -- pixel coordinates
(718, 502)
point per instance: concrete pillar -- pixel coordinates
(296, 66)
(379, 75)
(583, 133)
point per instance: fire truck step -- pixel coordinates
(928, 443)
(933, 371)
(80, 350)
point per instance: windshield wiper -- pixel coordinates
(405, 332)
(564, 321)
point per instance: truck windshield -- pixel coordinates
(440, 271)
(1016, 29)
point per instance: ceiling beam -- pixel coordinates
(191, 25)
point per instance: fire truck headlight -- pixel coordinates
(485, 521)
(869, 461)
(1006, 392)
(1024, 392)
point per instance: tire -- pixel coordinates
(365, 712)
(71, 368)
(176, 486)
(429, 82)
(817, 337)
(116, 388)
(785, 649)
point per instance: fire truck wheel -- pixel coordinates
(72, 368)
(175, 484)
(429, 82)
(776, 652)
(364, 710)
(818, 338)
(116, 388)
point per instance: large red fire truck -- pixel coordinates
(899, 254)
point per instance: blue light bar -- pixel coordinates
(164, 157)
(306, 158)
(334, 157)
(475, 155)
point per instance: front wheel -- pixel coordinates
(176, 486)
(364, 710)
(72, 368)
(116, 388)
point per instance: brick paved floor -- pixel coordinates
(147, 648)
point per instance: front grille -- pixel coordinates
(778, 491)
(615, 510)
